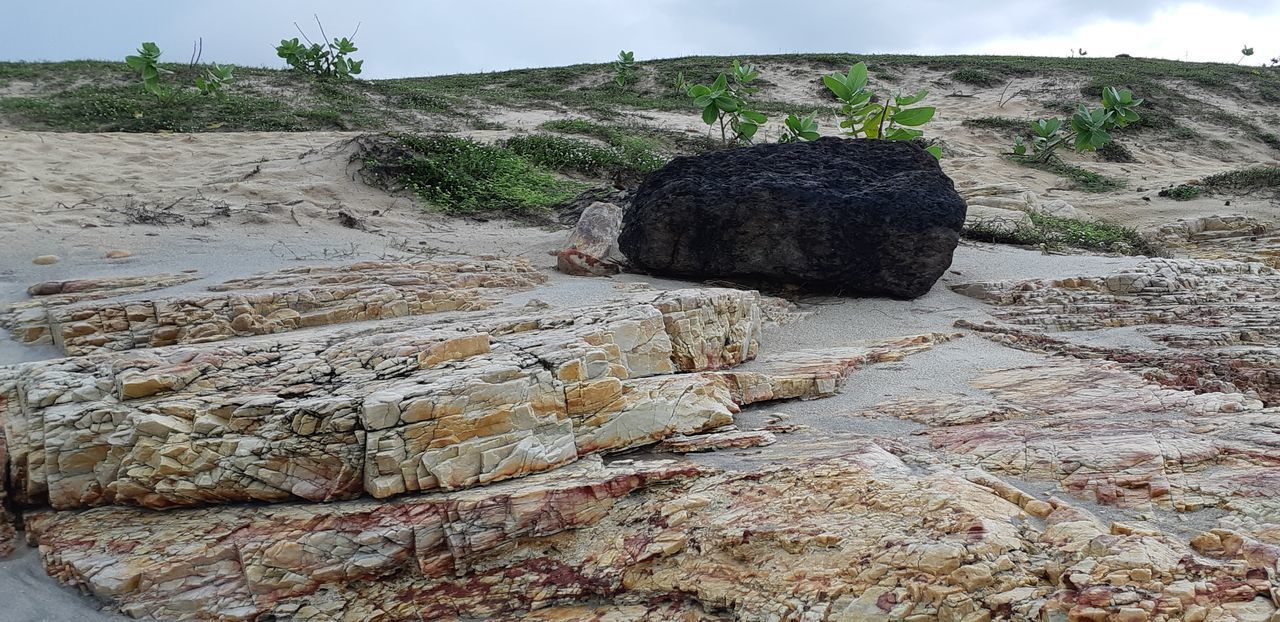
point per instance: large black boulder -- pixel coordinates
(841, 215)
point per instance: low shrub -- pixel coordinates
(1082, 179)
(975, 77)
(461, 175)
(1058, 233)
(1182, 192)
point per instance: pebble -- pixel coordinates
(45, 260)
(118, 253)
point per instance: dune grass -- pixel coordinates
(57, 96)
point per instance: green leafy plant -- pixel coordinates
(1245, 52)
(214, 79)
(682, 85)
(147, 63)
(800, 128)
(725, 102)
(891, 119)
(331, 60)
(624, 68)
(1089, 129)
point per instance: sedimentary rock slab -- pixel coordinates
(335, 414)
(1212, 325)
(851, 533)
(28, 320)
(240, 562)
(735, 439)
(284, 301)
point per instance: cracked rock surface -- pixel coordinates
(464, 464)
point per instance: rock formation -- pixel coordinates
(854, 216)
(463, 464)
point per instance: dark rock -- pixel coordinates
(850, 216)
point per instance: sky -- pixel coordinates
(399, 38)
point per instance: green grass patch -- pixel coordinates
(635, 137)
(563, 154)
(1182, 192)
(976, 77)
(1060, 233)
(1082, 179)
(462, 176)
(1241, 181)
(1244, 180)
(279, 99)
(1006, 125)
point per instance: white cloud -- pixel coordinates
(1194, 32)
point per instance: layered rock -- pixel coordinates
(243, 562)
(1107, 435)
(855, 216)
(284, 301)
(28, 320)
(1211, 325)
(1238, 238)
(850, 533)
(338, 413)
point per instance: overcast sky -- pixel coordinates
(427, 37)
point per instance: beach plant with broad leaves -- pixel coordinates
(214, 79)
(725, 102)
(896, 117)
(796, 129)
(147, 63)
(1089, 129)
(624, 68)
(330, 60)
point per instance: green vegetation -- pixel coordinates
(1083, 179)
(462, 176)
(624, 69)
(1006, 125)
(975, 77)
(1240, 181)
(800, 128)
(1054, 233)
(725, 102)
(47, 88)
(1244, 180)
(147, 63)
(888, 120)
(636, 138)
(1182, 192)
(1090, 128)
(330, 60)
(563, 154)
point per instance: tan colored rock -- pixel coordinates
(997, 218)
(592, 247)
(45, 260)
(273, 303)
(736, 439)
(118, 253)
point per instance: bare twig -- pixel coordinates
(197, 52)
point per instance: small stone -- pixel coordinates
(45, 260)
(118, 253)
